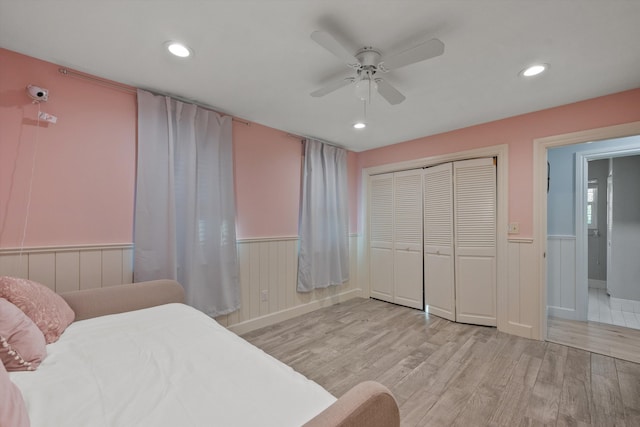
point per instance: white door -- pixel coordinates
(381, 237)
(439, 285)
(407, 238)
(475, 241)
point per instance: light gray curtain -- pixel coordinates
(324, 219)
(185, 207)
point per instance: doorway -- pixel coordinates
(584, 280)
(613, 224)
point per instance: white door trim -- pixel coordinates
(540, 147)
(502, 154)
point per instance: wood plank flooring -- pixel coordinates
(450, 374)
(602, 338)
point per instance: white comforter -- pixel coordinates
(164, 366)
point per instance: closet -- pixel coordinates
(396, 238)
(451, 214)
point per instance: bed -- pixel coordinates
(137, 356)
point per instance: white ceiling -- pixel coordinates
(255, 59)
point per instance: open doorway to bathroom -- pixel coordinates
(593, 238)
(613, 240)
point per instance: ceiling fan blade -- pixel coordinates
(333, 86)
(421, 52)
(389, 92)
(327, 41)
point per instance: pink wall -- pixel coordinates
(268, 173)
(83, 181)
(518, 132)
(267, 168)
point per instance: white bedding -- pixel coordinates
(164, 366)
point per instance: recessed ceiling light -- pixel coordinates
(534, 70)
(178, 49)
(359, 125)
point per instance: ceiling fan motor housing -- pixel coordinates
(368, 57)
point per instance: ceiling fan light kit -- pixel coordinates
(364, 87)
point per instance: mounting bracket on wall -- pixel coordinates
(47, 117)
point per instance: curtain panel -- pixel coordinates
(324, 219)
(185, 207)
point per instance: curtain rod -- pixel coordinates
(101, 82)
(133, 90)
(303, 138)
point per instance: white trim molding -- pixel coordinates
(289, 313)
(520, 240)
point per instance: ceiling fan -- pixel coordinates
(369, 64)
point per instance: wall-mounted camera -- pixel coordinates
(37, 93)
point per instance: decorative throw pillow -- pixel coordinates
(22, 345)
(49, 311)
(13, 411)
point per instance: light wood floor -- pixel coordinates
(444, 373)
(602, 338)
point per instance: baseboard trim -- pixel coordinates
(290, 313)
(562, 313)
(519, 329)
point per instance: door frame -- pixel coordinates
(540, 147)
(501, 152)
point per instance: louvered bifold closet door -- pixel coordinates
(475, 241)
(439, 284)
(381, 237)
(407, 238)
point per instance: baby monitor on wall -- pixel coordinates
(37, 93)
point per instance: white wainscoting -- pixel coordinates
(70, 268)
(561, 277)
(271, 265)
(522, 309)
(265, 265)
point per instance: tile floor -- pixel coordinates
(614, 311)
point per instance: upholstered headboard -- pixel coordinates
(121, 298)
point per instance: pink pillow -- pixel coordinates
(49, 311)
(22, 345)
(13, 411)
